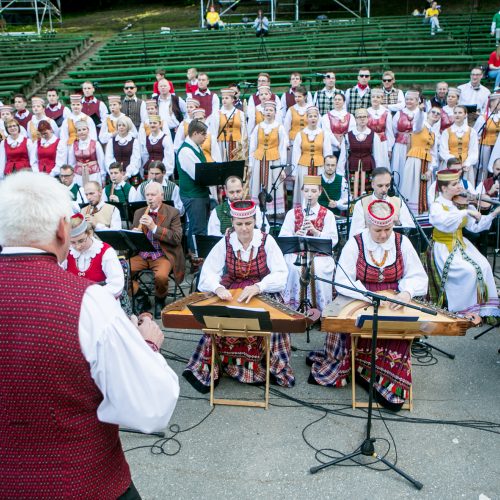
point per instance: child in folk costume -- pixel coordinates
(421, 160)
(86, 156)
(92, 259)
(118, 190)
(487, 127)
(338, 121)
(249, 259)
(409, 119)
(17, 152)
(380, 121)
(268, 147)
(124, 148)
(447, 113)
(38, 109)
(460, 141)
(376, 259)
(465, 276)
(310, 147)
(310, 219)
(365, 151)
(209, 147)
(67, 131)
(230, 126)
(255, 114)
(50, 152)
(288, 98)
(156, 146)
(181, 133)
(109, 125)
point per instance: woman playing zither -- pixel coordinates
(376, 259)
(249, 259)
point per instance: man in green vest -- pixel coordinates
(334, 193)
(118, 191)
(195, 197)
(220, 217)
(67, 177)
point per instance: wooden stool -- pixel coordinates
(220, 332)
(355, 336)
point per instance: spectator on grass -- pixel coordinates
(213, 19)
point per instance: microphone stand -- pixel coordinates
(274, 189)
(367, 447)
(346, 173)
(421, 234)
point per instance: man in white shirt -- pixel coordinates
(474, 94)
(208, 100)
(381, 183)
(171, 108)
(98, 213)
(97, 369)
(394, 100)
(323, 99)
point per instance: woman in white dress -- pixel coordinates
(466, 278)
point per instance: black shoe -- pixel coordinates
(311, 380)
(195, 383)
(309, 362)
(159, 305)
(395, 407)
(140, 302)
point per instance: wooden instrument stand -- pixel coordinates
(355, 336)
(226, 330)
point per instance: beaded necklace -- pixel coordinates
(243, 270)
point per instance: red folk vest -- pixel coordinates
(374, 278)
(86, 157)
(123, 154)
(16, 158)
(52, 444)
(318, 223)
(55, 114)
(205, 102)
(92, 109)
(361, 151)
(338, 126)
(378, 125)
(46, 156)
(404, 127)
(94, 272)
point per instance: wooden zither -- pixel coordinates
(283, 319)
(345, 314)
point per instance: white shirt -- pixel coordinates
(213, 267)
(139, 389)
(64, 130)
(176, 197)
(187, 158)
(469, 96)
(34, 123)
(358, 221)
(414, 281)
(105, 135)
(329, 227)
(111, 266)
(168, 117)
(116, 222)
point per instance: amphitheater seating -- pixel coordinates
(402, 44)
(27, 61)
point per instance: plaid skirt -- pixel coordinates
(331, 366)
(248, 373)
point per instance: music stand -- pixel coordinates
(202, 244)
(125, 240)
(123, 209)
(223, 321)
(216, 173)
(303, 245)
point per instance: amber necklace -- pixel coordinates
(382, 262)
(243, 270)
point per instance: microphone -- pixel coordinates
(391, 191)
(273, 167)
(321, 74)
(247, 84)
(264, 197)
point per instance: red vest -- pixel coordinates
(155, 151)
(23, 121)
(404, 127)
(318, 223)
(56, 115)
(86, 157)
(205, 102)
(16, 158)
(123, 154)
(289, 99)
(378, 125)
(338, 126)
(446, 120)
(94, 272)
(52, 444)
(361, 151)
(46, 156)
(92, 109)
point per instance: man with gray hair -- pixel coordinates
(72, 365)
(162, 226)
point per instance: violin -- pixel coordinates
(482, 203)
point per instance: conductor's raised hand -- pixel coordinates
(223, 294)
(248, 293)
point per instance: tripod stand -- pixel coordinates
(367, 447)
(263, 49)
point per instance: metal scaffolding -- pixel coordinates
(45, 11)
